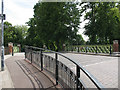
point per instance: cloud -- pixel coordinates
(18, 12)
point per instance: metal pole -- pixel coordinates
(110, 50)
(86, 49)
(78, 76)
(78, 50)
(12, 51)
(41, 56)
(96, 49)
(2, 54)
(56, 71)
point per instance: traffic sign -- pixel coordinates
(4, 16)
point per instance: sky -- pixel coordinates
(18, 12)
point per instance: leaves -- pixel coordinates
(104, 22)
(54, 24)
(15, 34)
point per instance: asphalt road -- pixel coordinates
(103, 68)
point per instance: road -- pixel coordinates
(103, 68)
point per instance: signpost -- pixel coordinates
(2, 17)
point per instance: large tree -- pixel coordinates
(104, 19)
(54, 23)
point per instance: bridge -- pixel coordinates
(40, 68)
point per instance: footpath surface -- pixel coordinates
(5, 78)
(22, 74)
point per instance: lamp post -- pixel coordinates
(2, 49)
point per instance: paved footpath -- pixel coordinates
(24, 75)
(5, 78)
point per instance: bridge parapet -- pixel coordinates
(95, 49)
(60, 72)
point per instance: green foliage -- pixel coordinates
(78, 40)
(15, 34)
(104, 22)
(53, 24)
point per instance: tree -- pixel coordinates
(8, 33)
(54, 23)
(15, 34)
(103, 25)
(78, 40)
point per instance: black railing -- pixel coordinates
(67, 78)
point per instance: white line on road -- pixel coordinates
(96, 63)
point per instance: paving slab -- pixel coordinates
(24, 75)
(5, 78)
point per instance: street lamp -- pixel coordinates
(2, 16)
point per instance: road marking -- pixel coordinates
(96, 63)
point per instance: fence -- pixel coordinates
(96, 49)
(15, 50)
(59, 71)
(6, 50)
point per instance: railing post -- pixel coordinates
(56, 71)
(31, 55)
(110, 50)
(78, 76)
(41, 57)
(96, 49)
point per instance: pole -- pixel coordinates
(2, 54)
(56, 71)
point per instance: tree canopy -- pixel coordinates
(54, 24)
(15, 34)
(104, 21)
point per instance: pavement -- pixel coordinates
(21, 74)
(5, 78)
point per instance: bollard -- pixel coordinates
(110, 50)
(86, 49)
(96, 49)
(12, 51)
(78, 50)
(25, 54)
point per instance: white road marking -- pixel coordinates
(96, 63)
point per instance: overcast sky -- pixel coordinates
(18, 12)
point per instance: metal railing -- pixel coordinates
(15, 49)
(95, 49)
(61, 72)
